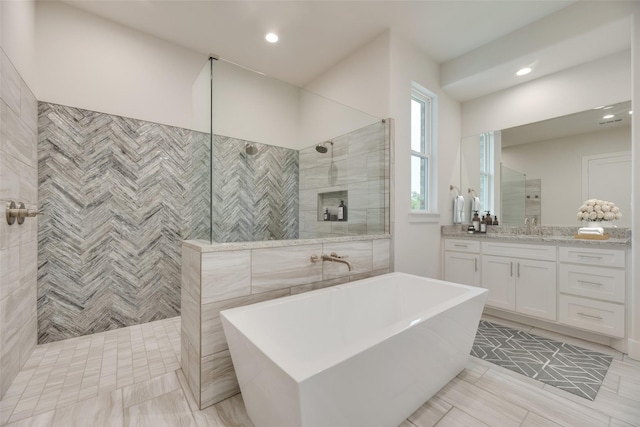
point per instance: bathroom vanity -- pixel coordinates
(548, 278)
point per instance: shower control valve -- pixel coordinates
(19, 212)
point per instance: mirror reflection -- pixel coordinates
(546, 170)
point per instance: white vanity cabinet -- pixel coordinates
(583, 286)
(462, 261)
(592, 289)
(520, 278)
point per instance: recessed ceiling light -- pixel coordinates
(630, 111)
(599, 108)
(523, 71)
(271, 37)
(608, 116)
(608, 107)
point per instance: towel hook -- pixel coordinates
(453, 187)
(473, 192)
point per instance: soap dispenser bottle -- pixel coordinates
(495, 221)
(476, 221)
(342, 211)
(488, 218)
(326, 216)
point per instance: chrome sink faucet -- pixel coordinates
(334, 257)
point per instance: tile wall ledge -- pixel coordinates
(539, 234)
(204, 246)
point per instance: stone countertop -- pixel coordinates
(620, 237)
(205, 246)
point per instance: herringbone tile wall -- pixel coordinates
(255, 197)
(119, 195)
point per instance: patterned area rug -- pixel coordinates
(568, 367)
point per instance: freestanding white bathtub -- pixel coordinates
(366, 353)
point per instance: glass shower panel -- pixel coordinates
(198, 182)
(512, 187)
(282, 156)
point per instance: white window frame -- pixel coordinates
(430, 214)
(487, 173)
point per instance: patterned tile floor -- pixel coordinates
(571, 368)
(131, 377)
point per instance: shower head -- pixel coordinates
(250, 149)
(322, 147)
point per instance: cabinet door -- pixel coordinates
(536, 288)
(462, 268)
(498, 276)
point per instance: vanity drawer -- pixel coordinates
(588, 256)
(597, 316)
(593, 282)
(516, 250)
(471, 246)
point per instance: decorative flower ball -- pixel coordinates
(598, 210)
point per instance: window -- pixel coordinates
(423, 107)
(486, 171)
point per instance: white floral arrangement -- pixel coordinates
(598, 210)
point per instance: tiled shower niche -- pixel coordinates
(330, 201)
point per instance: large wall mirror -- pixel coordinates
(546, 170)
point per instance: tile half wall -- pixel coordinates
(219, 277)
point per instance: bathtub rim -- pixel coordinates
(305, 369)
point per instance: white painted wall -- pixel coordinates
(358, 80)
(604, 81)
(558, 163)
(17, 29)
(251, 106)
(88, 62)
(634, 298)
(248, 105)
(417, 245)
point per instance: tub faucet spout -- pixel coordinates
(336, 258)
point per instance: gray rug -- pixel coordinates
(568, 367)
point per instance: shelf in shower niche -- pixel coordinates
(331, 200)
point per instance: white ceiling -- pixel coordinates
(315, 35)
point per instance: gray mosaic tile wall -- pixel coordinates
(119, 195)
(255, 197)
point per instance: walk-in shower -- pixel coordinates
(283, 182)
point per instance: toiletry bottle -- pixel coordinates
(476, 221)
(483, 225)
(488, 218)
(495, 221)
(342, 211)
(326, 214)
(470, 229)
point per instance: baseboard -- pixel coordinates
(634, 349)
